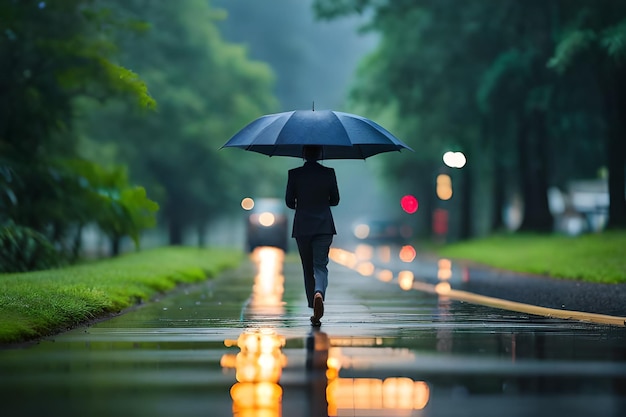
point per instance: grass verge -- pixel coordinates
(37, 304)
(597, 258)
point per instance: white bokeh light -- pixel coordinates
(454, 159)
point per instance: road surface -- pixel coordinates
(397, 339)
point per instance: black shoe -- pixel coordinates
(318, 306)
(315, 322)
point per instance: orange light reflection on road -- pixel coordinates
(370, 396)
(443, 288)
(256, 399)
(444, 271)
(259, 364)
(260, 358)
(374, 394)
(384, 253)
(268, 289)
(258, 368)
(366, 269)
(405, 280)
(385, 275)
(364, 252)
(394, 393)
(343, 257)
(405, 394)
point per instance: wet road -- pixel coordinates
(393, 343)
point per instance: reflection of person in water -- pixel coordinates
(317, 345)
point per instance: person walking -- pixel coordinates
(311, 191)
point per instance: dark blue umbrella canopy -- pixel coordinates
(341, 135)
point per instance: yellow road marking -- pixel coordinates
(522, 307)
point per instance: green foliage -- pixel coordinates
(52, 55)
(593, 257)
(489, 79)
(611, 38)
(496, 86)
(572, 44)
(329, 9)
(23, 249)
(123, 80)
(62, 196)
(117, 207)
(206, 89)
(614, 41)
(37, 304)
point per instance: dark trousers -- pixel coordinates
(314, 256)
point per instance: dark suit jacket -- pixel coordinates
(311, 190)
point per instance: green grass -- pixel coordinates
(594, 257)
(41, 303)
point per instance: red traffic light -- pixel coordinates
(409, 204)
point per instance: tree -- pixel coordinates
(52, 54)
(207, 89)
(477, 77)
(426, 66)
(596, 34)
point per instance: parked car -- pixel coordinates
(267, 224)
(382, 231)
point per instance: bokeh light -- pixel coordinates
(365, 268)
(444, 270)
(385, 275)
(364, 252)
(247, 203)
(405, 280)
(362, 231)
(267, 219)
(407, 253)
(409, 204)
(443, 288)
(444, 187)
(454, 159)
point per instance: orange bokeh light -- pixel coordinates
(407, 253)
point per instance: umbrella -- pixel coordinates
(341, 135)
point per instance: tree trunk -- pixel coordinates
(77, 242)
(498, 182)
(498, 198)
(115, 245)
(617, 194)
(532, 142)
(175, 220)
(202, 229)
(615, 92)
(466, 187)
(175, 230)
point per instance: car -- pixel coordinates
(382, 231)
(267, 224)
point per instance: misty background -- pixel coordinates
(314, 62)
(113, 115)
